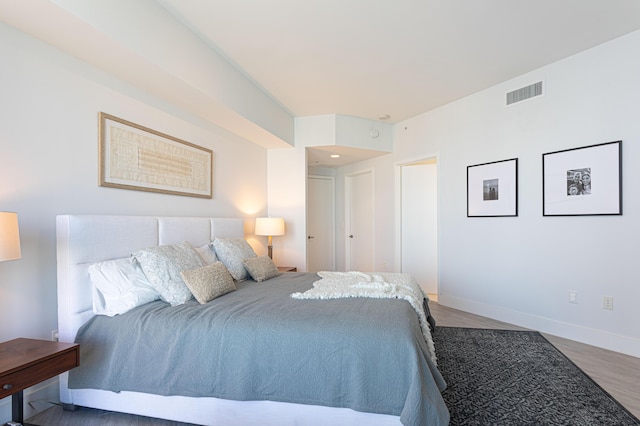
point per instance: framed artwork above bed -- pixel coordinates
(492, 189)
(135, 157)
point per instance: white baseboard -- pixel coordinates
(590, 336)
(36, 399)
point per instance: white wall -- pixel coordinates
(49, 166)
(159, 55)
(287, 192)
(520, 269)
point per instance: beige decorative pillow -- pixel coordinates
(209, 282)
(261, 268)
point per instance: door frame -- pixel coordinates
(398, 208)
(333, 217)
(347, 215)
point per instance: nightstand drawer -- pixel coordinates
(38, 372)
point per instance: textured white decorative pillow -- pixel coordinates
(207, 253)
(163, 264)
(261, 268)
(231, 252)
(119, 286)
(209, 282)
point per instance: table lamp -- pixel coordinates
(270, 226)
(9, 237)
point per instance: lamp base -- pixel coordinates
(270, 250)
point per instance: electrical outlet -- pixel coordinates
(54, 335)
(573, 296)
(607, 303)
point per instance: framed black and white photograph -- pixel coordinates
(492, 189)
(583, 181)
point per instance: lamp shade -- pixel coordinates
(9, 236)
(270, 226)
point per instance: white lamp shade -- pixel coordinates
(270, 226)
(9, 236)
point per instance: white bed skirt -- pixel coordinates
(221, 412)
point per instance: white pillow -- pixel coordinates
(119, 286)
(232, 252)
(163, 264)
(207, 253)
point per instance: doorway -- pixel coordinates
(419, 223)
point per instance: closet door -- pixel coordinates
(320, 223)
(360, 222)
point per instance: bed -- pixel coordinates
(280, 361)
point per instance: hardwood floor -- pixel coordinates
(618, 374)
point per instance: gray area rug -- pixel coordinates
(503, 377)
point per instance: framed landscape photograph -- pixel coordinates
(132, 156)
(492, 189)
(583, 181)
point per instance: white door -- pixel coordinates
(419, 235)
(359, 220)
(320, 224)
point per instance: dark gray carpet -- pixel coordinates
(503, 377)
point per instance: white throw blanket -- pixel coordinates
(377, 285)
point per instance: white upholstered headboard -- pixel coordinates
(82, 240)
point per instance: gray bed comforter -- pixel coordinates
(258, 343)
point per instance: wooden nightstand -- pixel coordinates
(27, 362)
(287, 269)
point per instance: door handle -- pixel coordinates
(310, 237)
(351, 236)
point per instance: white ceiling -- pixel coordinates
(366, 58)
(362, 58)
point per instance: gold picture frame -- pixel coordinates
(135, 157)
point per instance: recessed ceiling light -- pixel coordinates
(335, 155)
(384, 117)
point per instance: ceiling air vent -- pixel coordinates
(524, 93)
